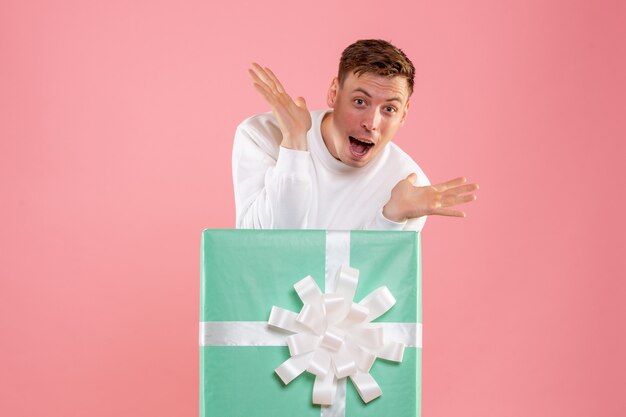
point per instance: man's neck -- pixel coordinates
(327, 130)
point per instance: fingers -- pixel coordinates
(260, 85)
(452, 193)
(266, 77)
(459, 195)
(300, 102)
(465, 199)
(271, 88)
(444, 186)
(463, 189)
(448, 201)
(256, 73)
(456, 186)
(293, 116)
(277, 84)
(448, 212)
(267, 95)
(263, 83)
(266, 83)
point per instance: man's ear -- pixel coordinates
(331, 96)
(405, 112)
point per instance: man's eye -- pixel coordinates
(390, 109)
(359, 101)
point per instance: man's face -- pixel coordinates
(367, 111)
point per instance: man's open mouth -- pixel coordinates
(358, 147)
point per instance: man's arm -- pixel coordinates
(273, 187)
(272, 184)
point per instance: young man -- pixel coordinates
(338, 169)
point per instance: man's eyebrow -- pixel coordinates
(361, 90)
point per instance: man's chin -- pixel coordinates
(353, 162)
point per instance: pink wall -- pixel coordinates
(116, 123)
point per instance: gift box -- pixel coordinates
(248, 276)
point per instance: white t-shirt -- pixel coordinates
(280, 188)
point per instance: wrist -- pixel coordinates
(295, 142)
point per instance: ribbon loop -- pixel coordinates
(332, 340)
(301, 343)
(335, 307)
(392, 351)
(292, 367)
(312, 317)
(324, 389)
(357, 314)
(344, 363)
(369, 336)
(320, 363)
(366, 386)
(363, 358)
(347, 281)
(307, 290)
(284, 319)
(378, 302)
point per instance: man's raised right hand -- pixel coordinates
(293, 116)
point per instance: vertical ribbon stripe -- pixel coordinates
(337, 254)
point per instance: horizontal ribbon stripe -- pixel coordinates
(240, 333)
(258, 333)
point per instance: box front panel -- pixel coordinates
(245, 273)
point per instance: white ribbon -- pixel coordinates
(258, 333)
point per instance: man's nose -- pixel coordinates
(371, 120)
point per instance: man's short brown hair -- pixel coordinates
(378, 57)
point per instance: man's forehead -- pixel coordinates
(394, 88)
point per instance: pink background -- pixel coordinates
(116, 125)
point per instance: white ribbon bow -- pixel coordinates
(333, 337)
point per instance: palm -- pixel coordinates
(293, 116)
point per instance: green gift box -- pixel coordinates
(244, 273)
